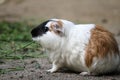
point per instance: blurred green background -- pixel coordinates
(16, 41)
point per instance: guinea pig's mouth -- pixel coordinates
(35, 38)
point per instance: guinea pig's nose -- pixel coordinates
(34, 33)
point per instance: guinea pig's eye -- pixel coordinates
(46, 29)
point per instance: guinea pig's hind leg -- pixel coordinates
(87, 74)
(54, 68)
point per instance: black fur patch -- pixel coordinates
(40, 29)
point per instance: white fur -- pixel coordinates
(105, 65)
(69, 51)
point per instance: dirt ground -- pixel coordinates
(103, 12)
(34, 72)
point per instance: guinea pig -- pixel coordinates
(85, 48)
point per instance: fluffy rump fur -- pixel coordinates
(101, 44)
(102, 51)
(85, 48)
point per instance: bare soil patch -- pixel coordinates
(35, 69)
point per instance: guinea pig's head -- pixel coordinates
(50, 32)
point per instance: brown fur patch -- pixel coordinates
(100, 45)
(51, 27)
(60, 26)
(60, 23)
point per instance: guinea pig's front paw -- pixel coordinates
(54, 69)
(51, 70)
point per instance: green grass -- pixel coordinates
(19, 50)
(16, 43)
(16, 31)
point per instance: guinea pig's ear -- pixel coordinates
(57, 27)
